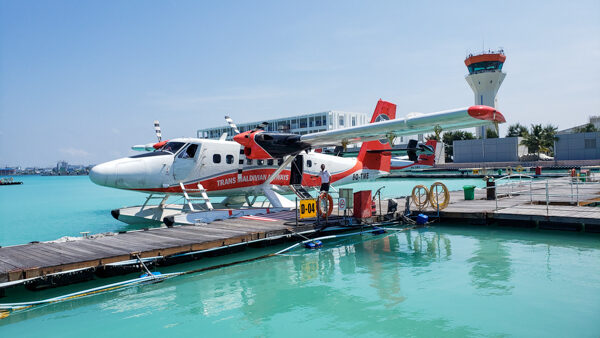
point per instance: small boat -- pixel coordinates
(9, 181)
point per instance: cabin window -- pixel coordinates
(248, 161)
(279, 161)
(217, 158)
(189, 152)
(260, 162)
(229, 159)
(270, 162)
(309, 163)
(172, 147)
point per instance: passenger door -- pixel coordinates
(185, 162)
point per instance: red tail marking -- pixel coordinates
(428, 159)
(378, 161)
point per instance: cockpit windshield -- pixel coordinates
(171, 147)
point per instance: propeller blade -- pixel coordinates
(157, 130)
(261, 126)
(143, 147)
(231, 124)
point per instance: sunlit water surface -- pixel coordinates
(446, 280)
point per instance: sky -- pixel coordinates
(83, 81)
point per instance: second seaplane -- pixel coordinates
(270, 164)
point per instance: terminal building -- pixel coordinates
(300, 125)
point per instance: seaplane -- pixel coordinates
(270, 164)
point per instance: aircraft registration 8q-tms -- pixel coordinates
(258, 162)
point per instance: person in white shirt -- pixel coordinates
(325, 176)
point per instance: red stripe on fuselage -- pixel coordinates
(252, 178)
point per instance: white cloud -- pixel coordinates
(74, 152)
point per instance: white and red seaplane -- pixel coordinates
(261, 163)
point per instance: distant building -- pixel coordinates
(62, 167)
(301, 124)
(7, 171)
(594, 120)
(579, 146)
(506, 149)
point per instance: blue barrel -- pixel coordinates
(422, 219)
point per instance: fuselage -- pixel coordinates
(221, 169)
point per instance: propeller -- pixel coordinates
(157, 130)
(152, 146)
(232, 124)
(261, 126)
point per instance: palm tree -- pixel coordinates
(540, 139)
(548, 138)
(533, 139)
(517, 130)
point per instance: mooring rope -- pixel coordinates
(7, 309)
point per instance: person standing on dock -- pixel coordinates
(325, 176)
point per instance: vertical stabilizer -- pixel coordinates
(378, 161)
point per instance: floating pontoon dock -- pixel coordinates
(552, 204)
(562, 204)
(33, 260)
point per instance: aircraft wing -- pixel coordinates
(416, 123)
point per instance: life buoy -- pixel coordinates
(329, 204)
(519, 168)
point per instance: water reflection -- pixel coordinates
(491, 268)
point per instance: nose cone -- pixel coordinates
(243, 139)
(104, 174)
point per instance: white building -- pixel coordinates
(301, 124)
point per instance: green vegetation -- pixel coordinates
(450, 137)
(517, 130)
(491, 133)
(540, 139)
(588, 128)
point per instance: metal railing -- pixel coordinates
(577, 188)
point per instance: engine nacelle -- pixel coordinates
(261, 145)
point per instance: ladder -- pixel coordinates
(300, 191)
(189, 199)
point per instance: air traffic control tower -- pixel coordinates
(485, 77)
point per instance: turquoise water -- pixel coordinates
(442, 281)
(446, 280)
(47, 208)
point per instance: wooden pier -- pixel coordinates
(526, 204)
(567, 206)
(39, 259)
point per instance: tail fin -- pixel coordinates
(378, 161)
(428, 159)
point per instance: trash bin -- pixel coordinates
(491, 189)
(538, 170)
(469, 191)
